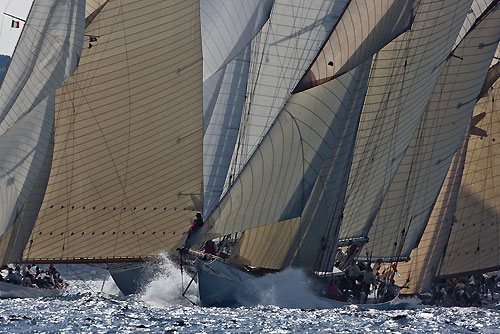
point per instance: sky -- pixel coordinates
(8, 35)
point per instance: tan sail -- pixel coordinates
(126, 175)
(407, 206)
(424, 260)
(473, 244)
(45, 56)
(364, 28)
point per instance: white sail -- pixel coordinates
(401, 82)
(364, 28)
(126, 174)
(227, 27)
(281, 53)
(46, 54)
(222, 120)
(307, 151)
(407, 206)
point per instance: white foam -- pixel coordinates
(166, 287)
(290, 288)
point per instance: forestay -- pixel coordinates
(127, 168)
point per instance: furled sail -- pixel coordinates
(364, 28)
(132, 105)
(401, 82)
(299, 170)
(281, 53)
(473, 244)
(46, 54)
(407, 206)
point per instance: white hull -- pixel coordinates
(9, 290)
(218, 284)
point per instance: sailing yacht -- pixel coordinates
(419, 97)
(296, 127)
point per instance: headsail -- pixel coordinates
(281, 53)
(364, 28)
(227, 27)
(297, 173)
(473, 244)
(418, 273)
(46, 54)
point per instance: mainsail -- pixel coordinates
(401, 83)
(133, 103)
(407, 206)
(473, 243)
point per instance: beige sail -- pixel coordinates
(473, 244)
(401, 82)
(126, 175)
(364, 28)
(418, 273)
(407, 206)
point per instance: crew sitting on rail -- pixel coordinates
(210, 247)
(197, 224)
(13, 277)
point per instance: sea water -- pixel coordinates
(279, 303)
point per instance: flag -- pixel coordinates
(14, 24)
